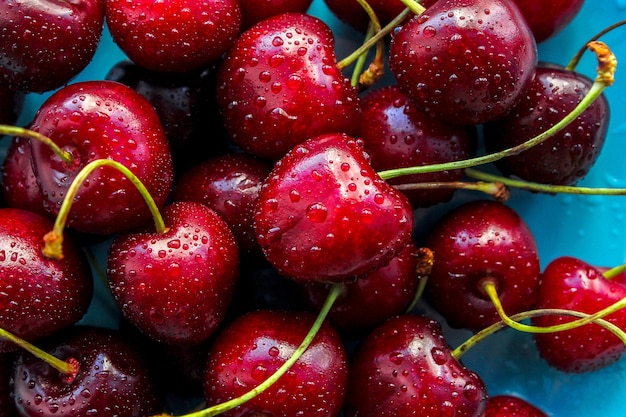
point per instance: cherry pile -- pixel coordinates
(203, 207)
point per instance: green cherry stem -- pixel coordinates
(426, 259)
(333, 294)
(613, 272)
(415, 7)
(54, 239)
(489, 286)
(607, 65)
(544, 188)
(495, 189)
(31, 134)
(360, 63)
(377, 67)
(486, 332)
(571, 66)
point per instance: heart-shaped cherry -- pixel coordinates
(405, 367)
(39, 296)
(464, 61)
(573, 284)
(279, 85)
(175, 285)
(505, 405)
(323, 214)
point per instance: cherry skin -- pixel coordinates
(112, 379)
(511, 406)
(254, 11)
(477, 241)
(40, 296)
(279, 85)
(548, 18)
(102, 120)
(405, 367)
(230, 185)
(323, 214)
(398, 135)
(51, 41)
(466, 62)
(173, 36)
(251, 348)
(566, 157)
(573, 284)
(352, 13)
(176, 285)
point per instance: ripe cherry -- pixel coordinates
(548, 18)
(504, 405)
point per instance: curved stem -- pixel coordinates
(31, 134)
(377, 67)
(413, 5)
(360, 63)
(571, 66)
(54, 239)
(613, 272)
(495, 189)
(424, 267)
(335, 291)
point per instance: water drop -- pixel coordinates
(316, 212)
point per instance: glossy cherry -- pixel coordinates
(251, 348)
(405, 367)
(571, 283)
(39, 296)
(279, 85)
(173, 36)
(547, 18)
(466, 62)
(50, 41)
(478, 241)
(102, 120)
(505, 405)
(323, 214)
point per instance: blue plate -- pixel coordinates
(589, 227)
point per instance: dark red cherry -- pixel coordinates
(397, 135)
(505, 405)
(474, 242)
(47, 42)
(254, 11)
(112, 379)
(405, 367)
(323, 214)
(250, 349)
(352, 13)
(279, 85)
(39, 296)
(548, 18)
(566, 157)
(464, 61)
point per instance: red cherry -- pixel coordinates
(279, 85)
(565, 157)
(102, 120)
(324, 214)
(477, 241)
(570, 283)
(548, 18)
(254, 11)
(39, 295)
(50, 41)
(176, 285)
(112, 379)
(405, 367)
(248, 350)
(466, 62)
(173, 36)
(511, 406)
(352, 13)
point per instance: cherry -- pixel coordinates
(50, 41)
(175, 285)
(477, 242)
(351, 12)
(396, 135)
(111, 380)
(571, 283)
(253, 346)
(565, 157)
(548, 18)
(39, 295)
(230, 185)
(466, 62)
(323, 214)
(505, 405)
(404, 367)
(101, 120)
(279, 85)
(173, 36)
(254, 11)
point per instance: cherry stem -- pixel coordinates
(545, 188)
(571, 66)
(414, 6)
(334, 293)
(489, 286)
(31, 134)
(606, 68)
(613, 272)
(495, 189)
(360, 63)
(377, 67)
(424, 267)
(66, 368)
(488, 331)
(54, 239)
